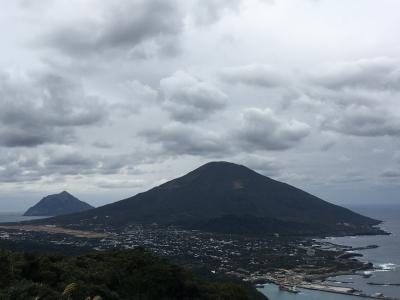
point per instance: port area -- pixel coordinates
(314, 274)
(290, 282)
(342, 290)
(315, 292)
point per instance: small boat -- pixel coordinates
(367, 274)
(290, 289)
(378, 295)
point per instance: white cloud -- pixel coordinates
(364, 121)
(43, 109)
(118, 28)
(189, 99)
(263, 130)
(262, 76)
(178, 139)
(380, 73)
(95, 84)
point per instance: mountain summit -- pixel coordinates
(226, 197)
(57, 204)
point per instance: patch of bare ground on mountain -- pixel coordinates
(55, 230)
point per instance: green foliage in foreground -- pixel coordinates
(114, 275)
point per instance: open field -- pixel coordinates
(55, 229)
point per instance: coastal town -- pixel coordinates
(291, 263)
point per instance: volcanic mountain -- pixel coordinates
(229, 198)
(57, 204)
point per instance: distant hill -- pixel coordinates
(57, 204)
(226, 197)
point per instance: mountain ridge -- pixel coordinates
(222, 193)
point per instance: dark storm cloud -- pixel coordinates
(24, 167)
(71, 162)
(364, 121)
(188, 99)
(262, 130)
(254, 75)
(128, 26)
(74, 160)
(16, 167)
(46, 109)
(33, 136)
(178, 139)
(13, 174)
(358, 98)
(391, 174)
(113, 164)
(102, 144)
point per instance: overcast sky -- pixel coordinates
(106, 99)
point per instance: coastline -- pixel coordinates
(296, 274)
(323, 290)
(318, 282)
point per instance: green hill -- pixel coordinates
(113, 275)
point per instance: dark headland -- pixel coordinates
(58, 204)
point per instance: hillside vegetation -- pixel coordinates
(114, 275)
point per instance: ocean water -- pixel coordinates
(15, 217)
(386, 260)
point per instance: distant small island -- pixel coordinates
(58, 204)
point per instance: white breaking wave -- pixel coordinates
(385, 267)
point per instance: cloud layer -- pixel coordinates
(110, 98)
(44, 109)
(263, 130)
(130, 28)
(189, 99)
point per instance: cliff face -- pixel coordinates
(57, 204)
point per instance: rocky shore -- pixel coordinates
(314, 277)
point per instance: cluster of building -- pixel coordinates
(287, 262)
(251, 258)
